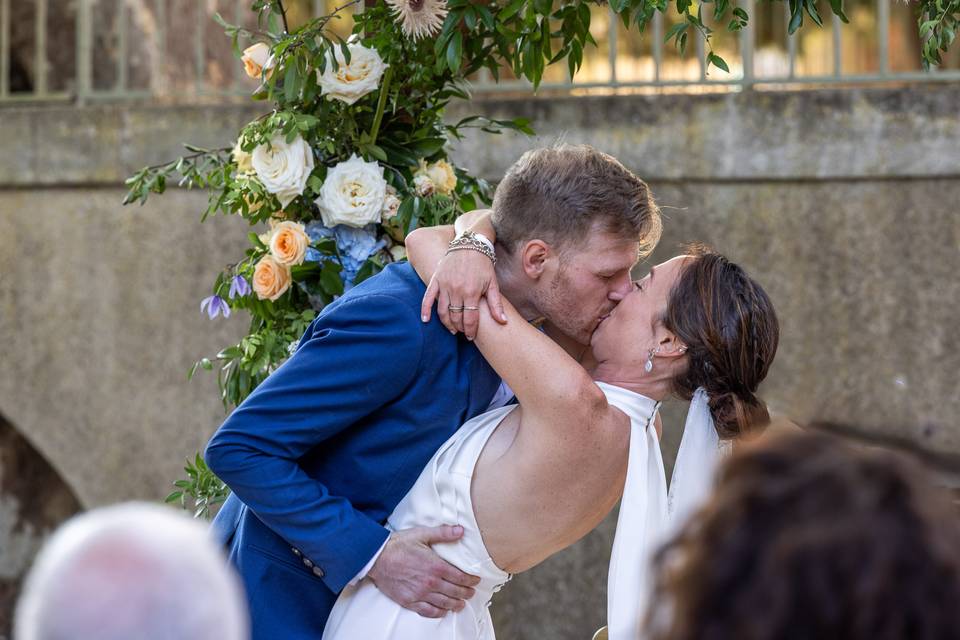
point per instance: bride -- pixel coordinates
(528, 480)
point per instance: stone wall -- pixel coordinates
(842, 203)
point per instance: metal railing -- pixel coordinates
(102, 67)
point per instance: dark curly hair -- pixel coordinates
(809, 538)
(731, 331)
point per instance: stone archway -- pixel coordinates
(34, 500)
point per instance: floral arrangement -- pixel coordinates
(352, 152)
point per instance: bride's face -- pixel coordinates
(631, 330)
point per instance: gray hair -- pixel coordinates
(133, 570)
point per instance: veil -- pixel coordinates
(649, 515)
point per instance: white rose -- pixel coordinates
(350, 82)
(398, 253)
(256, 58)
(391, 205)
(283, 168)
(353, 193)
(423, 185)
(242, 159)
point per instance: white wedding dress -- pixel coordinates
(441, 495)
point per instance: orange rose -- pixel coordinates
(289, 242)
(270, 279)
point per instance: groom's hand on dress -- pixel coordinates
(411, 573)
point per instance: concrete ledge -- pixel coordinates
(849, 134)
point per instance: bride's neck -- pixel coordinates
(654, 386)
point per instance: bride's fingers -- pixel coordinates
(427, 610)
(443, 602)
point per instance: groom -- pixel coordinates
(322, 451)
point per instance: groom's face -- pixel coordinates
(588, 282)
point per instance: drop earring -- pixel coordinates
(648, 367)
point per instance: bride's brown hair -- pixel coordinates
(730, 329)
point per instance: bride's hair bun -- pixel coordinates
(733, 416)
(731, 331)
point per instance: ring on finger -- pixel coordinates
(471, 308)
(454, 308)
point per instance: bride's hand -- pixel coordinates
(461, 279)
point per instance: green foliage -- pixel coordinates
(938, 23)
(204, 489)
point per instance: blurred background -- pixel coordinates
(827, 163)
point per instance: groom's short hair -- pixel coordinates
(562, 194)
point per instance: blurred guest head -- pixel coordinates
(131, 571)
(807, 537)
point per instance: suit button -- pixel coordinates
(317, 571)
(308, 563)
(296, 551)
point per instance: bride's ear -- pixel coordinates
(669, 344)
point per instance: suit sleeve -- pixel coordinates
(352, 361)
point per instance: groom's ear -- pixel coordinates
(535, 257)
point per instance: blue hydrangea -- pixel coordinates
(355, 246)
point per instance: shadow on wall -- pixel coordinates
(34, 500)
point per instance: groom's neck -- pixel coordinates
(516, 288)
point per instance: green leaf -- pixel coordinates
(290, 85)
(455, 52)
(510, 10)
(717, 61)
(675, 30)
(330, 278)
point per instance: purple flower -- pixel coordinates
(214, 306)
(238, 287)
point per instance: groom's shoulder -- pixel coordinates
(398, 282)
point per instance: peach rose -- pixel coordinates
(270, 278)
(289, 242)
(256, 58)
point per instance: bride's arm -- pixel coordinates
(556, 393)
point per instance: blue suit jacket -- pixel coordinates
(322, 451)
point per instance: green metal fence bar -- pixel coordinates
(791, 41)
(4, 48)
(198, 48)
(158, 79)
(40, 49)
(84, 80)
(612, 46)
(747, 41)
(657, 45)
(883, 35)
(122, 45)
(837, 45)
(238, 72)
(701, 42)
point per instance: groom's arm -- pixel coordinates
(351, 362)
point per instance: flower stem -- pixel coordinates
(283, 16)
(381, 105)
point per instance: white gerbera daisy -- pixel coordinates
(420, 18)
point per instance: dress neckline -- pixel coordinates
(637, 406)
